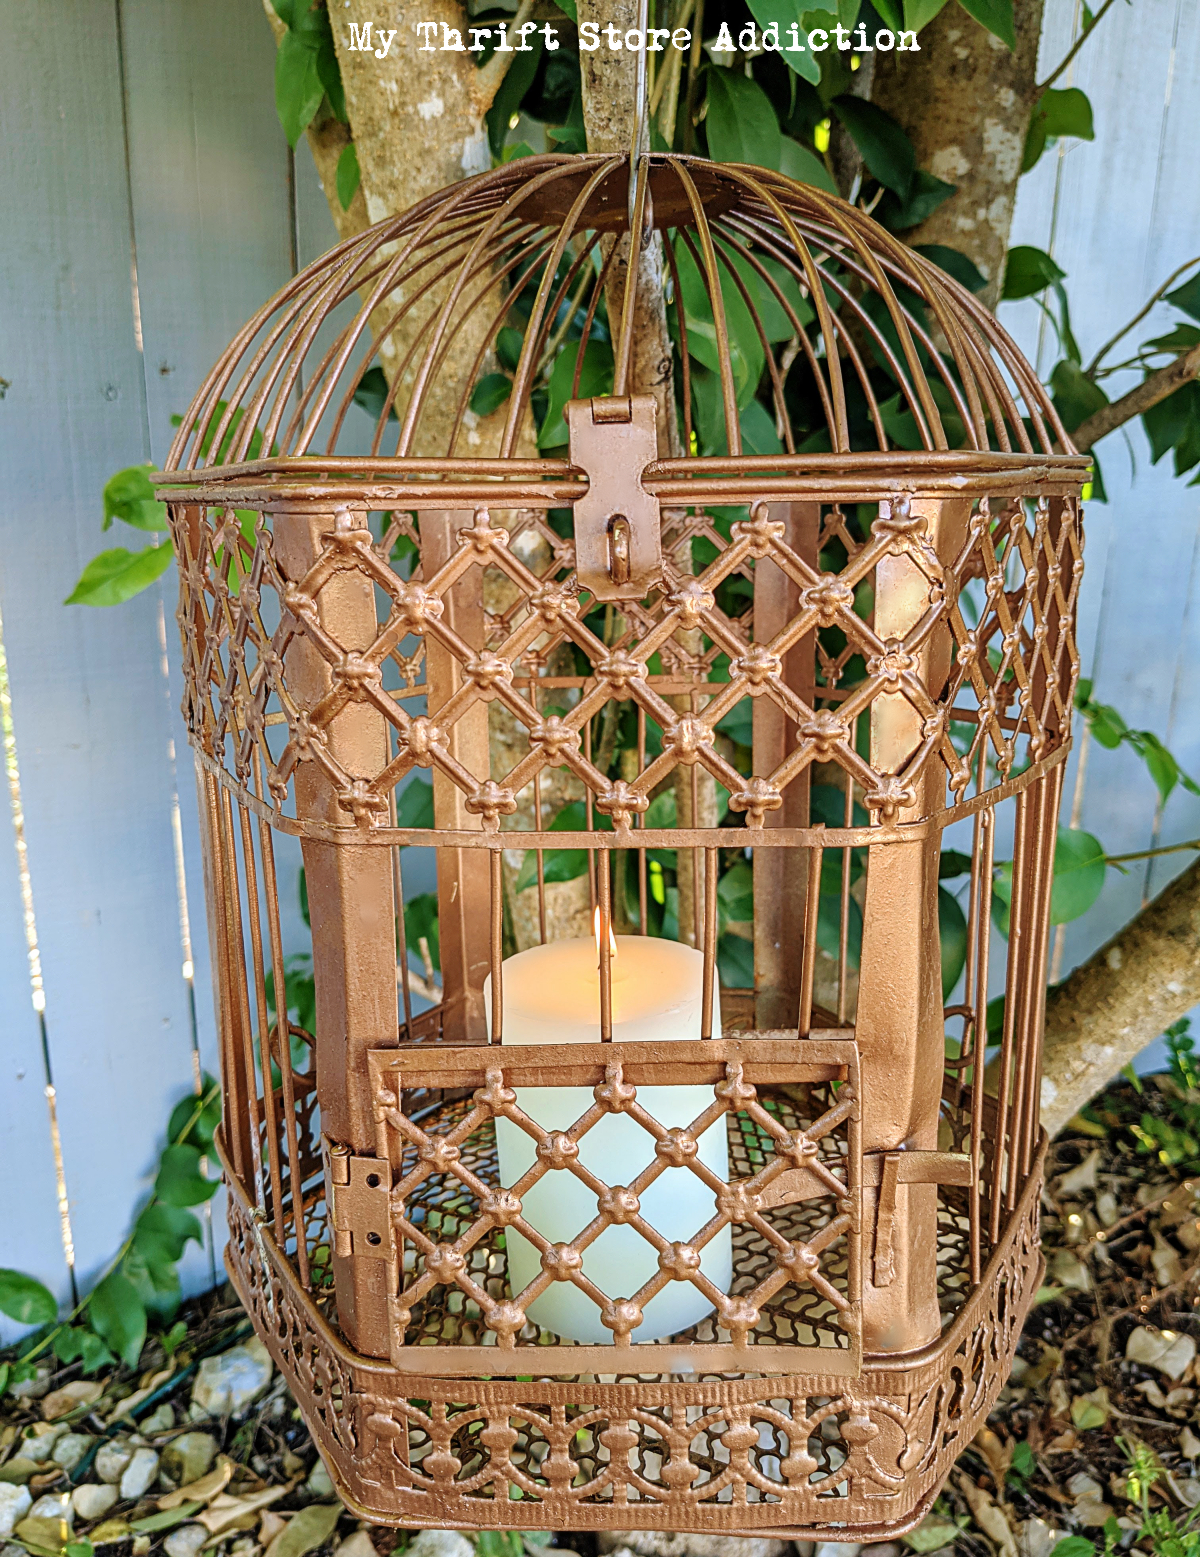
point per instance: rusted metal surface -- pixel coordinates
(861, 647)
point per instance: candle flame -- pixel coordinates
(612, 940)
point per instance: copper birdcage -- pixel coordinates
(754, 702)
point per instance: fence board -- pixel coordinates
(1118, 215)
(212, 221)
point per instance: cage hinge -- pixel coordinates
(359, 1190)
(618, 542)
(885, 1171)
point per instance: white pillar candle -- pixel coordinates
(551, 995)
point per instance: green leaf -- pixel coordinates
(348, 175)
(782, 13)
(1060, 112)
(954, 264)
(1079, 872)
(953, 863)
(735, 960)
(26, 1300)
(115, 576)
(1028, 272)
(421, 923)
(952, 927)
(996, 16)
(180, 1181)
(492, 390)
(746, 356)
(329, 71)
(195, 1118)
(886, 150)
(517, 80)
(371, 394)
(1168, 422)
(926, 195)
(118, 1315)
(560, 864)
(741, 125)
(595, 378)
(1074, 1546)
(129, 496)
(1187, 296)
(508, 347)
(918, 13)
(735, 893)
(799, 163)
(298, 85)
(891, 13)
(161, 1233)
(414, 804)
(1075, 395)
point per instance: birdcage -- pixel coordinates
(627, 632)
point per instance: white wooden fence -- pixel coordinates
(150, 205)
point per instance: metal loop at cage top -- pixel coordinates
(744, 625)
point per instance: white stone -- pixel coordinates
(39, 1446)
(359, 1544)
(15, 1503)
(1035, 1538)
(71, 1448)
(1166, 1350)
(160, 1420)
(92, 1500)
(112, 1458)
(189, 1456)
(837, 1549)
(319, 1483)
(226, 1384)
(139, 1474)
(185, 1540)
(55, 1505)
(439, 1543)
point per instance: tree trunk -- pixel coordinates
(965, 100)
(1121, 999)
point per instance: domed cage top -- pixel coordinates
(743, 625)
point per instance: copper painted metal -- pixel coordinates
(867, 646)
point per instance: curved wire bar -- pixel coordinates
(462, 263)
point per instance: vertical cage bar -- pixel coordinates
(462, 874)
(236, 1110)
(402, 970)
(496, 942)
(264, 1028)
(712, 865)
(643, 894)
(284, 1046)
(604, 885)
(241, 988)
(986, 830)
(780, 875)
(844, 916)
(812, 909)
(1003, 1171)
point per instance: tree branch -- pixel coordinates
(1074, 49)
(1122, 998)
(1138, 317)
(1139, 400)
